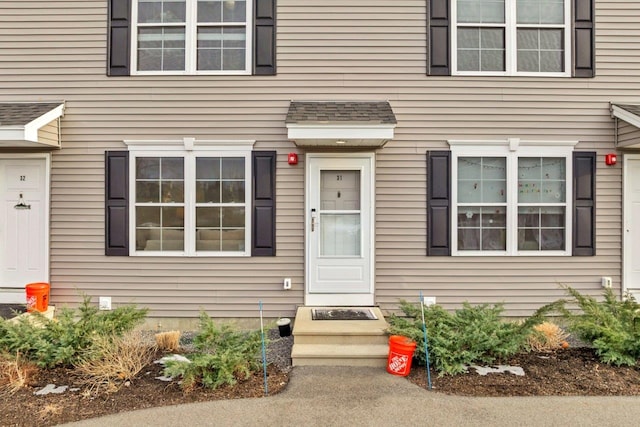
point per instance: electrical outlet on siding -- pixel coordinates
(427, 301)
(104, 303)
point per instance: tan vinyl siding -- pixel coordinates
(627, 134)
(326, 50)
(48, 134)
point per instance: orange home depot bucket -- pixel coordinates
(37, 296)
(401, 351)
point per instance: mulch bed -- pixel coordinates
(570, 372)
(26, 409)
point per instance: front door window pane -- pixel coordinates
(340, 235)
(340, 213)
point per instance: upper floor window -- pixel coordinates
(511, 37)
(192, 36)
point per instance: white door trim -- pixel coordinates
(343, 299)
(19, 297)
(626, 218)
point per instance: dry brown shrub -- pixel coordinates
(547, 336)
(168, 341)
(112, 361)
(15, 372)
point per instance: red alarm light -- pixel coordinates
(610, 159)
(292, 159)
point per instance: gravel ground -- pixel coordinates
(278, 348)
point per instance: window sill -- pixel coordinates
(179, 254)
(506, 254)
(185, 73)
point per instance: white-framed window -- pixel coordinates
(511, 37)
(191, 36)
(188, 200)
(511, 198)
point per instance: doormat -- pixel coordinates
(7, 311)
(342, 314)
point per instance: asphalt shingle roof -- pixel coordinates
(21, 113)
(377, 112)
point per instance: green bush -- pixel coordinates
(50, 343)
(473, 334)
(610, 325)
(223, 355)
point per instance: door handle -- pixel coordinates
(313, 220)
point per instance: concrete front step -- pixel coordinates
(340, 355)
(341, 339)
(339, 343)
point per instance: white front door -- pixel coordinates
(339, 229)
(23, 226)
(631, 275)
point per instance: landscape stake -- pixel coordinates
(264, 352)
(426, 345)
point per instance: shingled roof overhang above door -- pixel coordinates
(340, 124)
(625, 136)
(30, 124)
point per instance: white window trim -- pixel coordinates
(511, 148)
(190, 149)
(511, 58)
(191, 40)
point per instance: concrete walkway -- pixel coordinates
(330, 396)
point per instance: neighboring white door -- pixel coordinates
(339, 230)
(631, 276)
(23, 226)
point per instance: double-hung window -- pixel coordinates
(192, 36)
(190, 202)
(511, 199)
(511, 37)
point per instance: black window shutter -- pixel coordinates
(264, 37)
(584, 207)
(263, 236)
(438, 23)
(116, 192)
(119, 38)
(584, 38)
(439, 203)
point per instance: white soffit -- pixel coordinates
(21, 123)
(336, 135)
(340, 124)
(629, 113)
